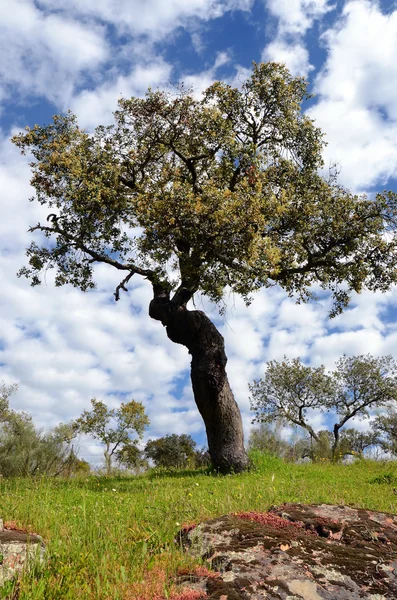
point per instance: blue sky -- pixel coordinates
(64, 347)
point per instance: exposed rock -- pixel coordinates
(295, 552)
(18, 551)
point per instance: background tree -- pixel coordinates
(172, 451)
(207, 196)
(5, 392)
(27, 451)
(267, 438)
(363, 383)
(356, 442)
(132, 458)
(113, 427)
(202, 458)
(289, 390)
(385, 426)
(315, 449)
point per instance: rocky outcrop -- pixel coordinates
(297, 552)
(18, 551)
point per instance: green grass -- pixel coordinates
(105, 536)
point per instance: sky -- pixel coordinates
(64, 347)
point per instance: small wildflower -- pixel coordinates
(113, 490)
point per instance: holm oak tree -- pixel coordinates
(210, 195)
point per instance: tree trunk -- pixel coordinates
(108, 462)
(336, 442)
(211, 389)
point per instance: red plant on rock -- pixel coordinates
(186, 527)
(269, 519)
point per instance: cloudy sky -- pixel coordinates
(64, 347)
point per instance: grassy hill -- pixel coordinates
(114, 538)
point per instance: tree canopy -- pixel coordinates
(206, 194)
(114, 428)
(289, 391)
(172, 450)
(26, 450)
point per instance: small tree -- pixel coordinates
(290, 390)
(113, 427)
(385, 426)
(131, 457)
(267, 439)
(206, 196)
(5, 392)
(172, 451)
(356, 442)
(27, 451)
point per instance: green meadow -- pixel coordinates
(116, 538)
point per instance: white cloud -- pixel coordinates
(295, 18)
(155, 18)
(51, 49)
(46, 54)
(94, 107)
(294, 55)
(357, 106)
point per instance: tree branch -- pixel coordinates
(98, 257)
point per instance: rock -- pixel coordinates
(295, 552)
(18, 551)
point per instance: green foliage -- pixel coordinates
(356, 442)
(5, 392)
(27, 451)
(268, 440)
(389, 478)
(172, 451)
(114, 428)
(290, 390)
(224, 189)
(385, 426)
(131, 457)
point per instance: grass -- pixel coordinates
(113, 538)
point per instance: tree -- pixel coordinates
(113, 427)
(131, 457)
(5, 392)
(267, 438)
(172, 451)
(290, 390)
(202, 458)
(363, 383)
(212, 195)
(385, 426)
(27, 451)
(356, 442)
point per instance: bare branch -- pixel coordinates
(122, 285)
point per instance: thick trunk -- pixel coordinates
(211, 388)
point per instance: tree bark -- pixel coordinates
(211, 389)
(108, 462)
(336, 441)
